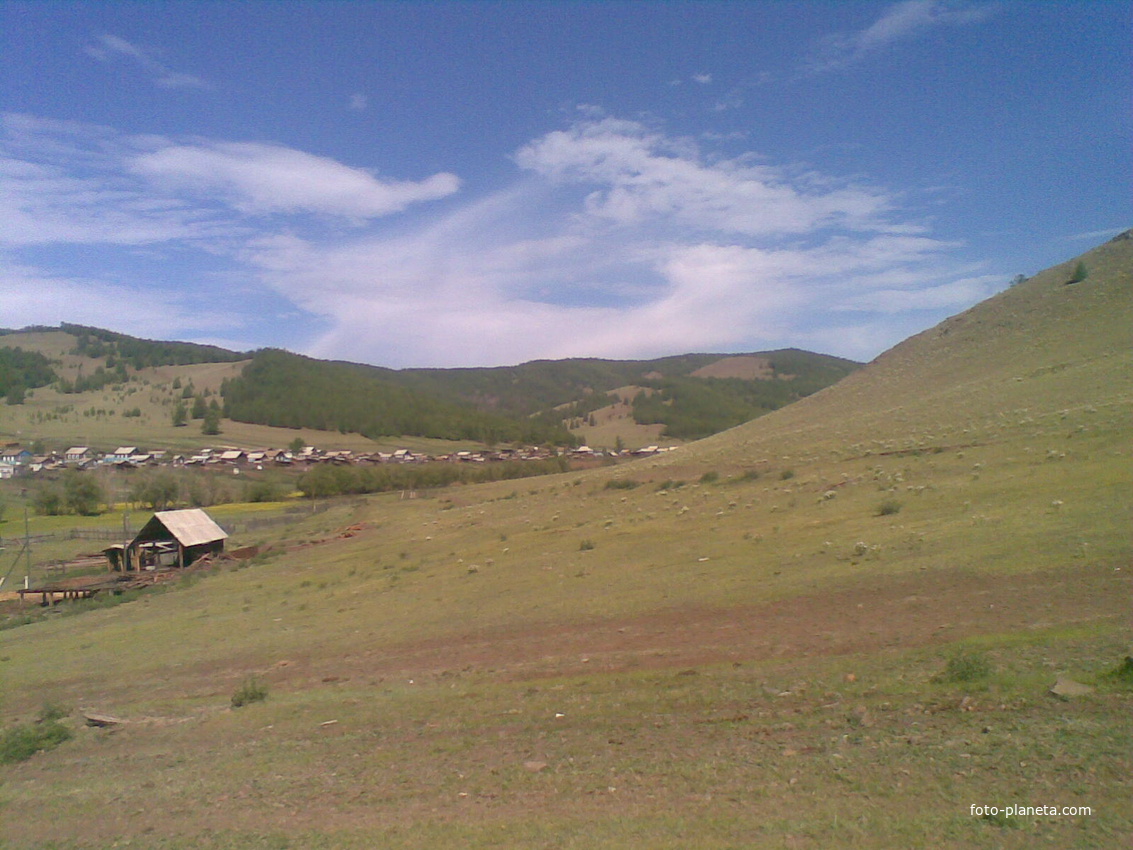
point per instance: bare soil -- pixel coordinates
(864, 617)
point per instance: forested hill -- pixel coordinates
(140, 353)
(690, 395)
(540, 385)
(291, 391)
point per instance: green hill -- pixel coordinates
(91, 374)
(839, 624)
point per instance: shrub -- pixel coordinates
(252, 690)
(786, 475)
(621, 484)
(889, 507)
(965, 666)
(710, 477)
(1122, 674)
(585, 545)
(22, 742)
(1080, 273)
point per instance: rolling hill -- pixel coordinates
(838, 624)
(74, 384)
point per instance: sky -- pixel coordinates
(415, 184)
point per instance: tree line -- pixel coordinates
(290, 391)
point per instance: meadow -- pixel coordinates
(837, 625)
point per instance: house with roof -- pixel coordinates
(15, 455)
(169, 539)
(78, 454)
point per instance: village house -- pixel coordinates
(78, 454)
(15, 455)
(169, 539)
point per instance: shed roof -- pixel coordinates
(190, 527)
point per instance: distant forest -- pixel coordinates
(692, 408)
(21, 371)
(142, 353)
(288, 390)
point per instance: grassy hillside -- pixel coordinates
(91, 386)
(836, 625)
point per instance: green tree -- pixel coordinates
(16, 394)
(48, 501)
(297, 445)
(199, 407)
(180, 414)
(81, 493)
(211, 425)
(1080, 273)
(158, 491)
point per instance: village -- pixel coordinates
(16, 459)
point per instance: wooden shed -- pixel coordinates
(170, 539)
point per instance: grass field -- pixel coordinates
(838, 625)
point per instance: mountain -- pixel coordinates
(83, 369)
(854, 620)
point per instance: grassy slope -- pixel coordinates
(94, 418)
(556, 663)
(63, 420)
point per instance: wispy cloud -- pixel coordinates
(640, 174)
(900, 22)
(615, 239)
(258, 178)
(110, 47)
(1094, 235)
(358, 102)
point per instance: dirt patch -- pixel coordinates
(862, 617)
(747, 366)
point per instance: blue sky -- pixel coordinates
(460, 184)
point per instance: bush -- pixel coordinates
(1080, 273)
(22, 742)
(253, 690)
(1122, 674)
(889, 507)
(585, 545)
(965, 666)
(786, 475)
(262, 491)
(621, 484)
(710, 477)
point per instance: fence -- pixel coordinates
(291, 515)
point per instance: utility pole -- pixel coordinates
(27, 548)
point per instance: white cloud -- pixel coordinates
(1095, 235)
(260, 178)
(33, 297)
(358, 102)
(695, 255)
(703, 79)
(615, 240)
(644, 175)
(951, 296)
(110, 47)
(900, 22)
